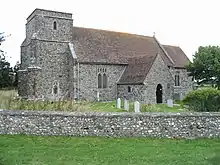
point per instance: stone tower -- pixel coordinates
(46, 60)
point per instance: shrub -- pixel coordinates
(203, 100)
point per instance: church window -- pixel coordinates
(129, 89)
(55, 89)
(54, 25)
(102, 80)
(177, 80)
(99, 81)
(105, 81)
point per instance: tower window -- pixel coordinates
(54, 25)
(55, 88)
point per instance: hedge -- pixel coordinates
(203, 100)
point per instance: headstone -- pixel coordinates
(98, 96)
(126, 105)
(119, 103)
(136, 106)
(181, 96)
(170, 103)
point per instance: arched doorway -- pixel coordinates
(159, 93)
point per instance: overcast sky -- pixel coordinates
(185, 23)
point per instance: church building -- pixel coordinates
(61, 61)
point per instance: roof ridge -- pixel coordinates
(171, 45)
(112, 31)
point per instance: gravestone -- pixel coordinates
(119, 103)
(170, 103)
(136, 106)
(98, 96)
(181, 96)
(126, 105)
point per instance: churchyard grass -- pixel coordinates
(55, 150)
(8, 101)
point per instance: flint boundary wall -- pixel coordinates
(160, 125)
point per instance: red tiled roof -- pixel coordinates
(101, 46)
(178, 56)
(137, 70)
(136, 51)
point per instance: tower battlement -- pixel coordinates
(49, 13)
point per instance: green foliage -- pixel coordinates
(2, 39)
(205, 100)
(8, 75)
(15, 71)
(205, 67)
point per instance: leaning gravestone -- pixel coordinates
(136, 106)
(119, 103)
(170, 103)
(126, 105)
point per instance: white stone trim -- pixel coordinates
(34, 67)
(24, 70)
(71, 46)
(121, 75)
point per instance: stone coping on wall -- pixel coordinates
(107, 114)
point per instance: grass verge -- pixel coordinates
(32, 150)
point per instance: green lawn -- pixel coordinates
(32, 150)
(7, 101)
(111, 107)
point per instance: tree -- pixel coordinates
(15, 71)
(205, 67)
(6, 72)
(2, 38)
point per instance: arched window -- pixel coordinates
(55, 89)
(99, 81)
(177, 80)
(129, 89)
(54, 25)
(105, 81)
